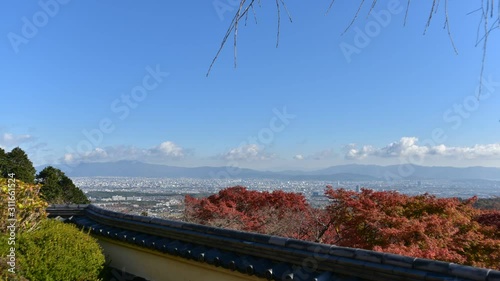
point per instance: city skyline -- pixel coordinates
(129, 84)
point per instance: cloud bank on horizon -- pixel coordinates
(169, 152)
(409, 147)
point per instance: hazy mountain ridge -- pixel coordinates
(350, 172)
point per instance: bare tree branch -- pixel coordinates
(329, 7)
(232, 27)
(447, 25)
(371, 8)
(242, 12)
(355, 17)
(406, 13)
(487, 11)
(430, 16)
(486, 33)
(279, 21)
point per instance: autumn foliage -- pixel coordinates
(423, 226)
(22, 200)
(276, 213)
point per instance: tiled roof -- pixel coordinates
(270, 257)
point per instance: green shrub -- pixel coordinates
(59, 251)
(5, 275)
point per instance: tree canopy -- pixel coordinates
(17, 162)
(57, 188)
(420, 226)
(276, 213)
(3, 161)
(423, 226)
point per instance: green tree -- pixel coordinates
(17, 162)
(57, 188)
(3, 160)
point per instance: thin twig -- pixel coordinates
(232, 26)
(486, 33)
(447, 25)
(492, 7)
(493, 27)
(246, 19)
(371, 8)
(476, 10)
(406, 13)
(228, 32)
(498, 13)
(279, 21)
(286, 10)
(279, 18)
(254, 14)
(478, 29)
(329, 7)
(235, 50)
(437, 6)
(487, 9)
(430, 16)
(355, 16)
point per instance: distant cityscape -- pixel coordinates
(164, 197)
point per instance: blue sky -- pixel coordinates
(108, 81)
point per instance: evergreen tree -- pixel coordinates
(3, 161)
(57, 188)
(17, 162)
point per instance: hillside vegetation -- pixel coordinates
(32, 246)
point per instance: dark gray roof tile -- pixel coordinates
(493, 275)
(398, 260)
(273, 257)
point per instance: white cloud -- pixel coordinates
(320, 155)
(408, 146)
(164, 151)
(11, 140)
(69, 158)
(169, 149)
(471, 152)
(404, 147)
(97, 154)
(111, 153)
(352, 152)
(298, 157)
(248, 152)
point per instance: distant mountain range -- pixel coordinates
(335, 173)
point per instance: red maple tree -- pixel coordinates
(275, 213)
(423, 226)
